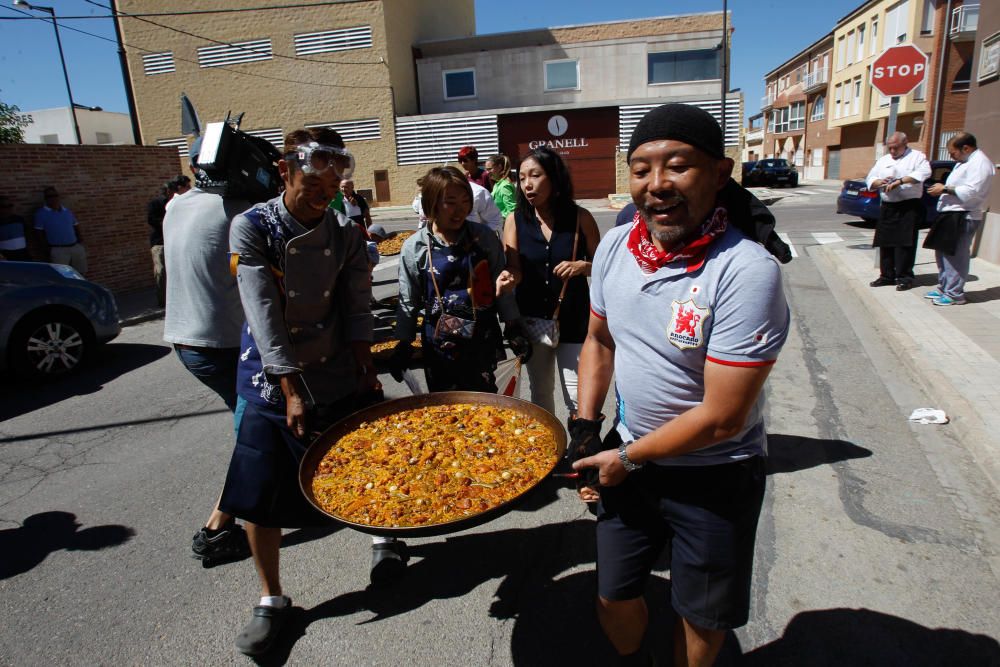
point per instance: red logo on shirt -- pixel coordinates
(686, 325)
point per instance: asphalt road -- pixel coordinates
(878, 541)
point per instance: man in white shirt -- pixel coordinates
(484, 210)
(900, 174)
(962, 200)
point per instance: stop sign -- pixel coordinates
(899, 70)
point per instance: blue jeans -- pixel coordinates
(954, 269)
(214, 367)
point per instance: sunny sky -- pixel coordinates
(767, 33)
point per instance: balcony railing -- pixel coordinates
(755, 135)
(964, 21)
(766, 102)
(816, 80)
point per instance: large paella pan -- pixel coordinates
(431, 464)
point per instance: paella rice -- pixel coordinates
(433, 465)
(393, 245)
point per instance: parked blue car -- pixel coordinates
(858, 201)
(53, 319)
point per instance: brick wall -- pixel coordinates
(107, 188)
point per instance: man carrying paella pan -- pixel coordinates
(305, 359)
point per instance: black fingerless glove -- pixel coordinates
(584, 441)
(521, 347)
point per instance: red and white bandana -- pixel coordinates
(650, 258)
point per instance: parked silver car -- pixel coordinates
(52, 319)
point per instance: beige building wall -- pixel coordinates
(847, 68)
(288, 92)
(408, 22)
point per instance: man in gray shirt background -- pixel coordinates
(203, 321)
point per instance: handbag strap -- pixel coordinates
(430, 269)
(562, 292)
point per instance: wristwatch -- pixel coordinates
(623, 457)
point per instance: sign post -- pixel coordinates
(895, 73)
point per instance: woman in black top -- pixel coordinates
(540, 236)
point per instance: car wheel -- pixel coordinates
(49, 344)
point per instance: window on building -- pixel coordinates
(920, 92)
(883, 101)
(233, 54)
(671, 66)
(180, 143)
(817, 157)
(366, 129)
(819, 108)
(781, 84)
(962, 77)
(847, 99)
(103, 137)
(841, 55)
(873, 39)
(896, 21)
(989, 58)
(797, 116)
(946, 136)
(272, 135)
(927, 17)
(837, 99)
(329, 41)
(562, 75)
(861, 43)
(770, 122)
(459, 84)
(781, 120)
(158, 63)
(49, 138)
(799, 156)
(857, 97)
(851, 52)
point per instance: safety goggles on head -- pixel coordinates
(315, 158)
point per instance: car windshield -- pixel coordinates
(774, 163)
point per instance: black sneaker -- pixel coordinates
(264, 627)
(388, 561)
(228, 544)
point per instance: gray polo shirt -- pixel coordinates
(203, 301)
(666, 325)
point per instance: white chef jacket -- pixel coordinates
(912, 163)
(971, 181)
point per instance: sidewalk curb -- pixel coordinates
(148, 316)
(948, 365)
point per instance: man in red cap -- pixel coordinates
(468, 157)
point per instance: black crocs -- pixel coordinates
(388, 561)
(263, 629)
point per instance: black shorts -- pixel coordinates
(262, 485)
(706, 515)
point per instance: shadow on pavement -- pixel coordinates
(983, 295)
(34, 435)
(527, 561)
(41, 534)
(303, 535)
(108, 363)
(790, 453)
(837, 637)
(558, 625)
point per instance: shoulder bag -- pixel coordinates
(449, 327)
(545, 331)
